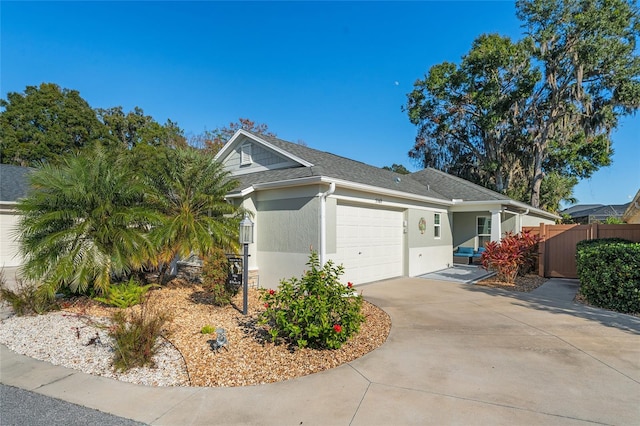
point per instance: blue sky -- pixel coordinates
(332, 74)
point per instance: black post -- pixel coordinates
(245, 279)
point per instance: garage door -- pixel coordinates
(368, 243)
(8, 245)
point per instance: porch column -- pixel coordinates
(496, 225)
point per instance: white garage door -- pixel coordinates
(368, 243)
(8, 245)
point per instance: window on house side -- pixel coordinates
(245, 155)
(436, 225)
(483, 230)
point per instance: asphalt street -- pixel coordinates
(20, 407)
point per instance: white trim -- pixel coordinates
(290, 183)
(241, 194)
(231, 143)
(496, 225)
(255, 169)
(437, 226)
(461, 205)
(387, 204)
(390, 192)
(323, 222)
(478, 235)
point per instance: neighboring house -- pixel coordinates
(632, 213)
(14, 185)
(592, 213)
(377, 223)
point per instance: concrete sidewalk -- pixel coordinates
(558, 289)
(457, 354)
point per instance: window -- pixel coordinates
(245, 155)
(483, 230)
(436, 225)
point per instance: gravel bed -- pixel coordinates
(82, 343)
(188, 358)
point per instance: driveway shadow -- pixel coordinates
(605, 317)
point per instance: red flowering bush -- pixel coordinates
(515, 254)
(316, 311)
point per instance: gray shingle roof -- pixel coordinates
(579, 207)
(598, 211)
(337, 167)
(427, 183)
(14, 182)
(454, 187)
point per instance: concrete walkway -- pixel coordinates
(468, 274)
(457, 354)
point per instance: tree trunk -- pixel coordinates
(538, 175)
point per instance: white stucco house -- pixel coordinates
(13, 186)
(377, 223)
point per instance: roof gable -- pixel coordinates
(247, 152)
(312, 163)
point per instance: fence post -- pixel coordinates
(542, 249)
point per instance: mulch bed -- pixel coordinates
(525, 284)
(249, 358)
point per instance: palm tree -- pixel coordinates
(84, 222)
(190, 191)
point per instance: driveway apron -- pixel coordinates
(456, 354)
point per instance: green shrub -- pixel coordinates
(612, 220)
(207, 329)
(28, 298)
(136, 335)
(599, 242)
(215, 271)
(513, 255)
(609, 273)
(126, 294)
(316, 311)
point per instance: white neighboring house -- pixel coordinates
(14, 184)
(377, 223)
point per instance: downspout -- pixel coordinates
(323, 221)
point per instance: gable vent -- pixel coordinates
(245, 154)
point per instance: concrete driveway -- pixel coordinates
(457, 354)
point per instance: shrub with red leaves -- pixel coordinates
(514, 255)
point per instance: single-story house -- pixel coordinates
(594, 213)
(377, 223)
(13, 186)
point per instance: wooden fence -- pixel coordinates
(557, 249)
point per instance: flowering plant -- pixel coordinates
(316, 310)
(514, 255)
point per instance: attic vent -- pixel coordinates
(245, 154)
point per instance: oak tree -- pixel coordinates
(45, 123)
(531, 118)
